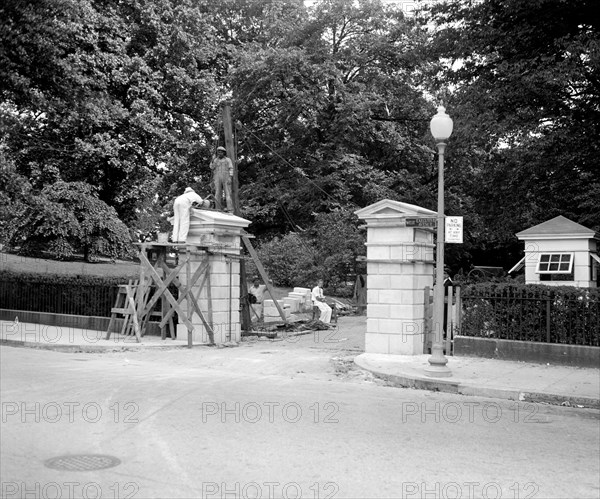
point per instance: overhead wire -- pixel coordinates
(284, 210)
(295, 168)
(287, 215)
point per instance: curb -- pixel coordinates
(89, 348)
(461, 388)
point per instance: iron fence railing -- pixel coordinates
(58, 298)
(531, 315)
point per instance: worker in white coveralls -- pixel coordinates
(182, 208)
(222, 169)
(318, 300)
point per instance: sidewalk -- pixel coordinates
(521, 381)
(70, 339)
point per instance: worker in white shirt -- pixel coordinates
(318, 300)
(182, 208)
(222, 169)
(256, 295)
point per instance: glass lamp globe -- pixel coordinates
(441, 125)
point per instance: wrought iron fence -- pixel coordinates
(532, 313)
(58, 298)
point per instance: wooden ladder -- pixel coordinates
(125, 306)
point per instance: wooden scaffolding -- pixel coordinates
(137, 301)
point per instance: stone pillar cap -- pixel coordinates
(386, 209)
(217, 219)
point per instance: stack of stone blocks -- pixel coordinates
(270, 312)
(400, 264)
(221, 234)
(298, 301)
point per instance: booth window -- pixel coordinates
(555, 266)
(595, 268)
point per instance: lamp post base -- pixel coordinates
(438, 371)
(438, 363)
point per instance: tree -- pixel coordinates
(522, 82)
(65, 218)
(331, 116)
(109, 93)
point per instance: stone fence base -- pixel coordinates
(527, 351)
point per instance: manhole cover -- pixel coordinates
(82, 462)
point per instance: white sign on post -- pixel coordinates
(454, 230)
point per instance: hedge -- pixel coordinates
(60, 294)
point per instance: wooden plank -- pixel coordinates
(133, 313)
(167, 282)
(426, 323)
(188, 275)
(458, 309)
(264, 276)
(194, 302)
(188, 289)
(449, 321)
(196, 308)
(141, 291)
(211, 335)
(230, 147)
(119, 308)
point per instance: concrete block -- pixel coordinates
(220, 317)
(223, 280)
(219, 266)
(412, 251)
(405, 345)
(379, 282)
(392, 296)
(271, 319)
(407, 282)
(372, 325)
(274, 311)
(222, 292)
(389, 268)
(372, 295)
(407, 312)
(377, 343)
(378, 252)
(293, 303)
(389, 234)
(390, 326)
(378, 311)
(271, 303)
(410, 328)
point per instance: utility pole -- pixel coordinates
(231, 154)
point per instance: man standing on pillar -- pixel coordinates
(222, 169)
(182, 207)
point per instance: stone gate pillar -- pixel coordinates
(221, 234)
(400, 264)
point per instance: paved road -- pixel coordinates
(273, 419)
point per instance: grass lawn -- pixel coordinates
(16, 263)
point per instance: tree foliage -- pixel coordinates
(65, 218)
(332, 117)
(331, 101)
(522, 80)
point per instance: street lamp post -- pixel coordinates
(441, 129)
